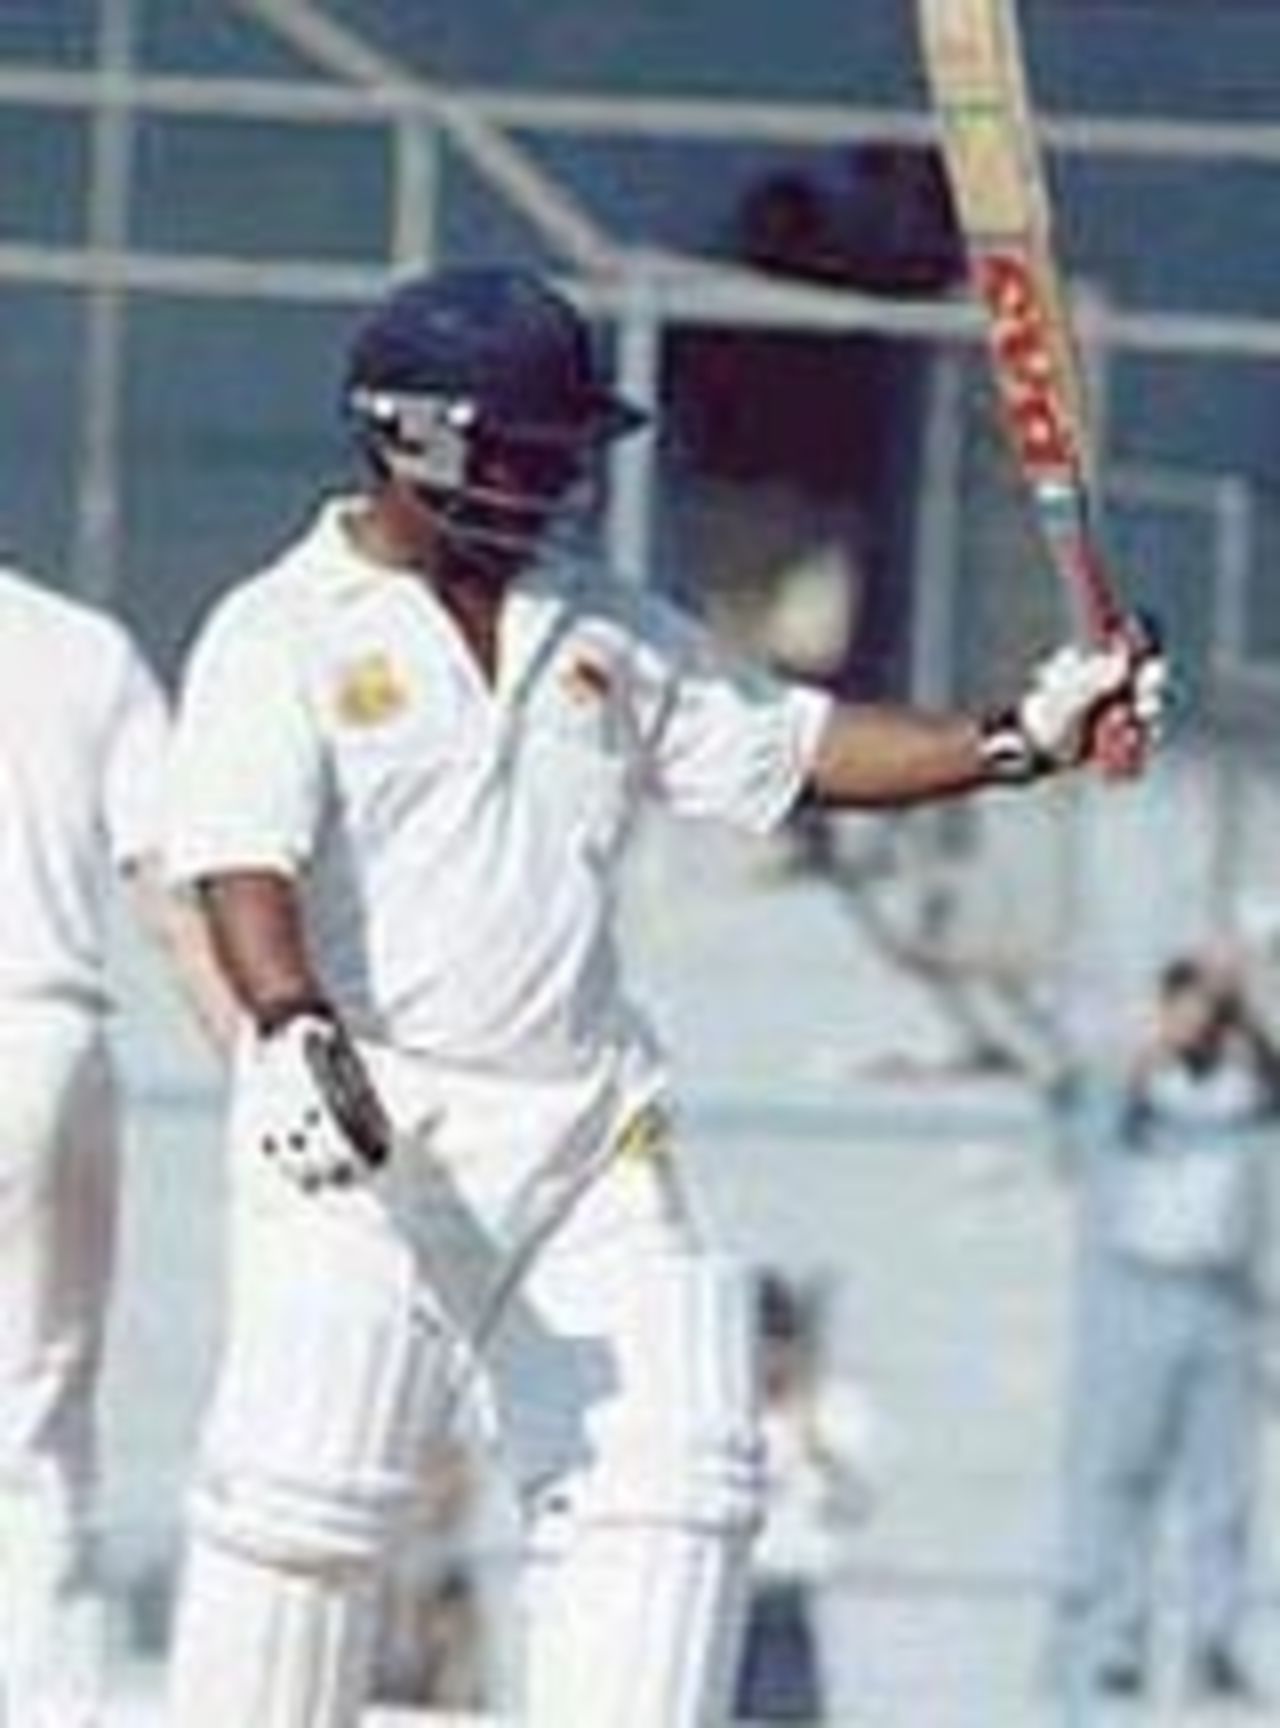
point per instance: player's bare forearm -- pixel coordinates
(172, 920)
(877, 756)
(325, 1123)
(258, 934)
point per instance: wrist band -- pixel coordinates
(1008, 756)
(272, 1016)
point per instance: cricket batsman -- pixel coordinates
(410, 755)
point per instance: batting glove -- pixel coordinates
(319, 1119)
(1056, 723)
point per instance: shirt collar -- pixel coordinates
(336, 561)
(345, 571)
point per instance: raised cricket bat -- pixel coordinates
(974, 60)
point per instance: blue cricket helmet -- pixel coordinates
(485, 349)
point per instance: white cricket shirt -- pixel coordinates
(456, 845)
(83, 736)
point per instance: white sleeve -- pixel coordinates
(246, 773)
(133, 769)
(731, 740)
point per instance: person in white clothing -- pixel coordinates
(83, 735)
(821, 1440)
(409, 758)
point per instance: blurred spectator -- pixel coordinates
(817, 1433)
(900, 239)
(900, 234)
(772, 404)
(804, 632)
(788, 225)
(1168, 1365)
(811, 611)
(843, 411)
(433, 1645)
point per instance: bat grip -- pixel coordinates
(1062, 507)
(1117, 746)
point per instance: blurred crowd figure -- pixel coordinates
(1165, 1407)
(433, 1642)
(818, 1437)
(843, 412)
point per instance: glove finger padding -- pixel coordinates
(1103, 705)
(1150, 692)
(1067, 692)
(318, 1117)
(1127, 726)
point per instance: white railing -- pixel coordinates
(726, 119)
(645, 291)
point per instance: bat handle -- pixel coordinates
(1119, 746)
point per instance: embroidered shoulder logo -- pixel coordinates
(587, 680)
(371, 690)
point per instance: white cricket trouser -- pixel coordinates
(59, 1156)
(620, 1381)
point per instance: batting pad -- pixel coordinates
(640, 1555)
(659, 1385)
(257, 1644)
(308, 1463)
(636, 1627)
(51, 1618)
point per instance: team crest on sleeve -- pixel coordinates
(370, 690)
(587, 679)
